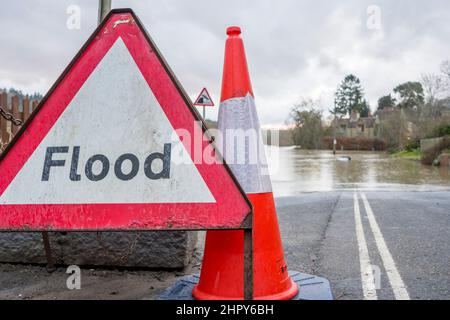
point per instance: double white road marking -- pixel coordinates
(367, 275)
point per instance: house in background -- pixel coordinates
(356, 126)
(355, 133)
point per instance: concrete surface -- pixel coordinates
(165, 250)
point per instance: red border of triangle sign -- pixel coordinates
(231, 208)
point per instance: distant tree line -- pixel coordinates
(13, 91)
(412, 111)
(416, 110)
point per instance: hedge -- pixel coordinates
(355, 143)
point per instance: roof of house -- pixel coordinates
(368, 122)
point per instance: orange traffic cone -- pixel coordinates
(222, 270)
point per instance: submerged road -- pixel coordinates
(371, 244)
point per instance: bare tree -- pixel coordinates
(308, 126)
(445, 69)
(434, 85)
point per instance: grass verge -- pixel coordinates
(415, 154)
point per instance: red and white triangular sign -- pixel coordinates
(204, 99)
(102, 152)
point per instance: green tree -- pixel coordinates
(339, 110)
(365, 109)
(411, 95)
(386, 102)
(349, 97)
(308, 129)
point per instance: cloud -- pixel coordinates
(294, 48)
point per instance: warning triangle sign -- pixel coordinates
(204, 99)
(103, 150)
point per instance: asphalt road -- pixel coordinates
(404, 240)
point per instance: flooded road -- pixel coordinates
(375, 214)
(294, 171)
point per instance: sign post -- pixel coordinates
(248, 264)
(204, 100)
(104, 6)
(112, 146)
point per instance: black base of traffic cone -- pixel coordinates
(310, 288)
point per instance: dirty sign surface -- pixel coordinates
(102, 151)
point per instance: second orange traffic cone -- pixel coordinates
(222, 269)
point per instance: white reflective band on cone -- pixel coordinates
(241, 144)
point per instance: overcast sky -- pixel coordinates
(294, 48)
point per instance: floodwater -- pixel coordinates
(294, 170)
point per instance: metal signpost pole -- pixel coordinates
(248, 264)
(104, 7)
(48, 252)
(334, 135)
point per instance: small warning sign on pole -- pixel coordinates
(103, 149)
(204, 99)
